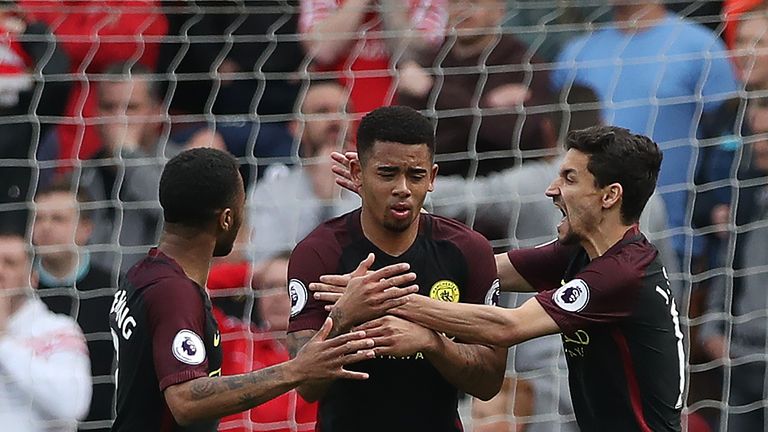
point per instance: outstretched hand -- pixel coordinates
(343, 172)
(322, 358)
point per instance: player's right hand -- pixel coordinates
(323, 359)
(370, 295)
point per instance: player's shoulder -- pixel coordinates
(447, 229)
(629, 261)
(331, 234)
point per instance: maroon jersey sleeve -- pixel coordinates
(604, 292)
(542, 266)
(483, 283)
(176, 317)
(310, 259)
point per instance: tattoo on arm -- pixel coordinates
(248, 389)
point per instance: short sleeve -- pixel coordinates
(306, 265)
(483, 283)
(542, 266)
(176, 317)
(602, 293)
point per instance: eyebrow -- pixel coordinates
(565, 171)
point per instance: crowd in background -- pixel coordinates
(94, 98)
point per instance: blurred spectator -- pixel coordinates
(655, 73)
(29, 54)
(290, 202)
(732, 11)
(735, 324)
(254, 340)
(96, 35)
(553, 24)
(70, 284)
(480, 68)
(123, 176)
(546, 27)
(45, 383)
(253, 69)
(363, 41)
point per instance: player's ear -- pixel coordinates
(226, 220)
(612, 195)
(435, 168)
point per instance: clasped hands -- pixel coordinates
(366, 300)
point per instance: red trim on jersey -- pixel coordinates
(629, 373)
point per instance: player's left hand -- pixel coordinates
(342, 171)
(397, 337)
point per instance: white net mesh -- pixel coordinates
(76, 102)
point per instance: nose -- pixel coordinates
(401, 188)
(554, 189)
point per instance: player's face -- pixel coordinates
(15, 266)
(57, 226)
(752, 52)
(576, 194)
(394, 182)
(226, 240)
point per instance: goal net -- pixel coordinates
(100, 96)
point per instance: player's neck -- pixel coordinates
(192, 251)
(605, 237)
(390, 242)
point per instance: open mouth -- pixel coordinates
(400, 211)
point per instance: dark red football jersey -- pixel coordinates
(621, 331)
(165, 334)
(452, 263)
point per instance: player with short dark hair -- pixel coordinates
(418, 373)
(600, 283)
(167, 341)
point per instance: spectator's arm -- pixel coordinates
(53, 373)
(427, 19)
(329, 31)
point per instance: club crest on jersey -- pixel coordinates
(298, 293)
(188, 347)
(573, 296)
(445, 290)
(492, 297)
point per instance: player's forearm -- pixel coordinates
(477, 324)
(215, 397)
(330, 37)
(474, 369)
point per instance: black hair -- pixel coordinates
(398, 124)
(64, 184)
(616, 155)
(196, 184)
(128, 71)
